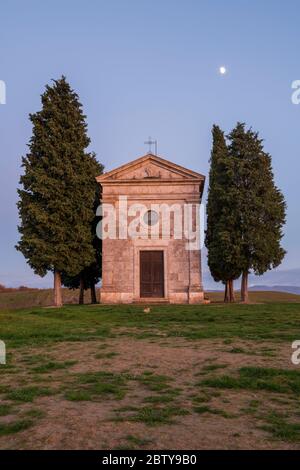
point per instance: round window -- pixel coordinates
(151, 218)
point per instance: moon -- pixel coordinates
(222, 70)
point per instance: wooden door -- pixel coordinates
(151, 274)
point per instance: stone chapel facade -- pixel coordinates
(155, 266)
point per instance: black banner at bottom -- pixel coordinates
(139, 458)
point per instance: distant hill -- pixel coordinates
(287, 280)
(258, 296)
(23, 298)
(289, 289)
(16, 289)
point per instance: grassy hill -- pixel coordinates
(258, 296)
(44, 297)
(35, 298)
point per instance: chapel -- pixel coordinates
(151, 243)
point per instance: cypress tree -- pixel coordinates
(89, 276)
(56, 199)
(221, 235)
(261, 205)
(86, 279)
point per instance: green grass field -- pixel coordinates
(209, 376)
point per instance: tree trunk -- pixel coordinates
(226, 295)
(93, 294)
(81, 292)
(57, 289)
(231, 289)
(244, 288)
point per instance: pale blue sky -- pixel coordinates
(144, 68)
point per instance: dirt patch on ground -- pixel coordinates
(155, 369)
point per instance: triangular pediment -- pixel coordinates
(150, 167)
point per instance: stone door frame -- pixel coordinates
(153, 265)
(136, 267)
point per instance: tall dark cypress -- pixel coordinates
(222, 235)
(56, 196)
(261, 205)
(90, 275)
